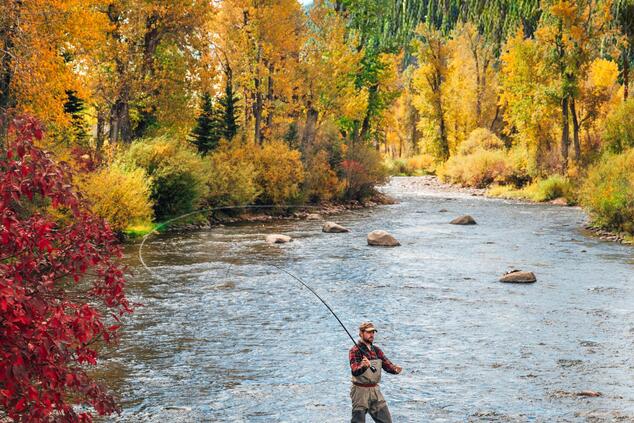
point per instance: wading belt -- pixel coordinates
(365, 385)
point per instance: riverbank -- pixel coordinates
(431, 184)
(208, 219)
(296, 212)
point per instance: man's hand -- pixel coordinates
(398, 369)
(365, 362)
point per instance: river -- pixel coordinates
(224, 336)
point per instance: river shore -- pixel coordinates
(428, 184)
(258, 213)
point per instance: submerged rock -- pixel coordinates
(382, 239)
(278, 239)
(589, 394)
(561, 201)
(463, 220)
(518, 276)
(333, 228)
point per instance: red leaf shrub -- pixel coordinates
(52, 318)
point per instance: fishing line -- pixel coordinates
(167, 222)
(269, 264)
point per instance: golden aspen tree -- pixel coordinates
(573, 31)
(329, 64)
(530, 110)
(261, 41)
(151, 62)
(45, 45)
(429, 80)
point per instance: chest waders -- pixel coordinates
(367, 397)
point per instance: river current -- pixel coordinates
(223, 336)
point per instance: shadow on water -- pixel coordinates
(223, 336)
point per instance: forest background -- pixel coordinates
(164, 107)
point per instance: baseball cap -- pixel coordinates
(367, 326)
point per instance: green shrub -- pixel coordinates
(506, 191)
(521, 170)
(422, 164)
(119, 195)
(400, 167)
(608, 192)
(396, 167)
(480, 139)
(618, 133)
(178, 174)
(555, 186)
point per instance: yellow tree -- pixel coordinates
(429, 79)
(45, 45)
(151, 63)
(573, 31)
(599, 94)
(401, 121)
(328, 68)
(530, 110)
(470, 89)
(260, 41)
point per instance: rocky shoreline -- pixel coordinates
(294, 212)
(605, 235)
(427, 184)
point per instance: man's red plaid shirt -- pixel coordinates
(373, 353)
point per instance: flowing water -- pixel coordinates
(224, 336)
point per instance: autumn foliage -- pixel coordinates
(58, 279)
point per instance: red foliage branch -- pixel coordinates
(51, 318)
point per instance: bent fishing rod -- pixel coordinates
(324, 302)
(270, 264)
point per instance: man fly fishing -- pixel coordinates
(366, 362)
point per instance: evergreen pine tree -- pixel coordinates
(208, 130)
(74, 106)
(228, 111)
(292, 135)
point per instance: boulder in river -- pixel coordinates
(382, 239)
(518, 276)
(333, 228)
(313, 216)
(278, 239)
(463, 220)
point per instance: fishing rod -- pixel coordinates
(155, 230)
(324, 302)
